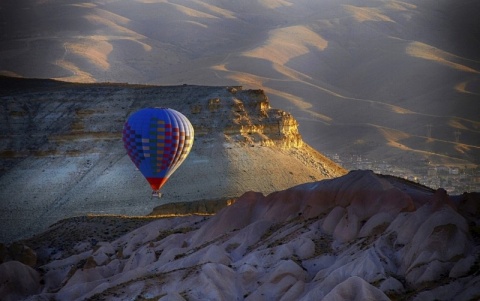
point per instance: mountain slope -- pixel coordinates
(355, 237)
(62, 154)
(339, 66)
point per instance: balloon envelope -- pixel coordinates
(157, 140)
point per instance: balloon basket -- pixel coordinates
(156, 194)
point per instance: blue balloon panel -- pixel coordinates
(157, 141)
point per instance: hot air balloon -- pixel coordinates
(157, 141)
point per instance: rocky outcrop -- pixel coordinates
(201, 207)
(18, 281)
(357, 237)
(18, 252)
(62, 155)
(246, 117)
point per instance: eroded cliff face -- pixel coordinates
(61, 152)
(48, 119)
(247, 118)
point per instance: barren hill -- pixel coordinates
(362, 236)
(62, 155)
(384, 79)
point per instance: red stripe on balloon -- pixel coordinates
(156, 183)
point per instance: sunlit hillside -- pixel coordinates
(352, 72)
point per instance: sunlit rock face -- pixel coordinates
(246, 117)
(357, 237)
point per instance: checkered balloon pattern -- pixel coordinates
(157, 141)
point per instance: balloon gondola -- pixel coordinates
(157, 141)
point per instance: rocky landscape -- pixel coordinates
(362, 236)
(383, 79)
(62, 155)
(255, 212)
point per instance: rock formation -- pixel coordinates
(62, 154)
(329, 62)
(357, 237)
(247, 118)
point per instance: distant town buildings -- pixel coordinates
(454, 179)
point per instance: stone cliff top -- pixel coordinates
(62, 155)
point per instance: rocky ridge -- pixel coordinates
(360, 236)
(62, 156)
(329, 63)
